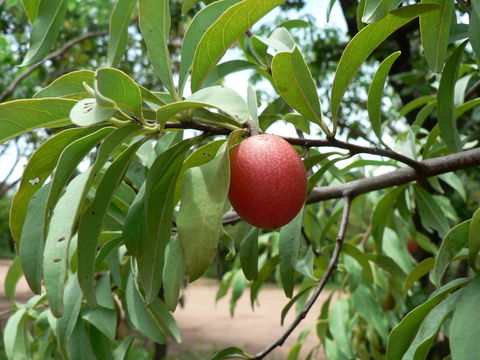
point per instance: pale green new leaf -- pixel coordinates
(154, 21)
(224, 32)
(89, 112)
(119, 21)
(445, 100)
(45, 29)
(20, 116)
(295, 84)
(363, 44)
(435, 32)
(375, 93)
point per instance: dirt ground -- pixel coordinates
(205, 325)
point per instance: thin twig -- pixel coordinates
(472, 92)
(11, 88)
(332, 264)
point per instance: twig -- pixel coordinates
(470, 94)
(332, 264)
(465, 5)
(11, 88)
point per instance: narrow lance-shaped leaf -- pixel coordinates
(375, 93)
(474, 28)
(222, 34)
(432, 215)
(119, 21)
(290, 239)
(154, 21)
(375, 10)
(92, 219)
(14, 335)
(474, 240)
(159, 206)
(435, 32)
(20, 116)
(466, 323)
(445, 100)
(72, 302)
(173, 273)
(45, 29)
(199, 221)
(363, 44)
(31, 9)
(200, 23)
(11, 279)
(249, 254)
(295, 84)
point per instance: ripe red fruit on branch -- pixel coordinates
(268, 181)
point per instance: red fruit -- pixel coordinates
(412, 246)
(268, 181)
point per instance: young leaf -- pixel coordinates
(363, 44)
(295, 84)
(445, 100)
(68, 86)
(199, 25)
(119, 22)
(159, 206)
(20, 116)
(453, 242)
(466, 323)
(154, 21)
(435, 32)
(204, 192)
(219, 97)
(375, 93)
(403, 334)
(89, 112)
(90, 223)
(173, 273)
(227, 28)
(45, 29)
(249, 254)
(290, 240)
(72, 302)
(474, 240)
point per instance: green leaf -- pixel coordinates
(249, 254)
(422, 269)
(122, 351)
(79, 346)
(474, 28)
(445, 100)
(71, 156)
(267, 268)
(13, 276)
(432, 215)
(219, 97)
(453, 242)
(58, 242)
(119, 22)
(290, 240)
(387, 263)
(103, 319)
(252, 104)
(231, 353)
(220, 71)
(89, 112)
(188, 4)
(173, 273)
(199, 221)
(103, 291)
(382, 213)
(466, 323)
(72, 302)
(159, 207)
(120, 88)
(295, 84)
(20, 116)
(435, 32)
(165, 320)
(134, 225)
(416, 103)
(141, 318)
(45, 29)
(31, 9)
(427, 332)
(363, 44)
(227, 28)
(292, 302)
(474, 240)
(69, 85)
(90, 223)
(370, 310)
(375, 93)
(32, 241)
(15, 336)
(338, 326)
(375, 10)
(360, 257)
(403, 334)
(154, 22)
(199, 25)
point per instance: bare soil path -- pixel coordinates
(205, 325)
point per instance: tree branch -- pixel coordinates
(11, 88)
(332, 264)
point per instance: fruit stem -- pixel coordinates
(251, 127)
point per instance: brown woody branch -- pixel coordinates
(11, 88)
(332, 264)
